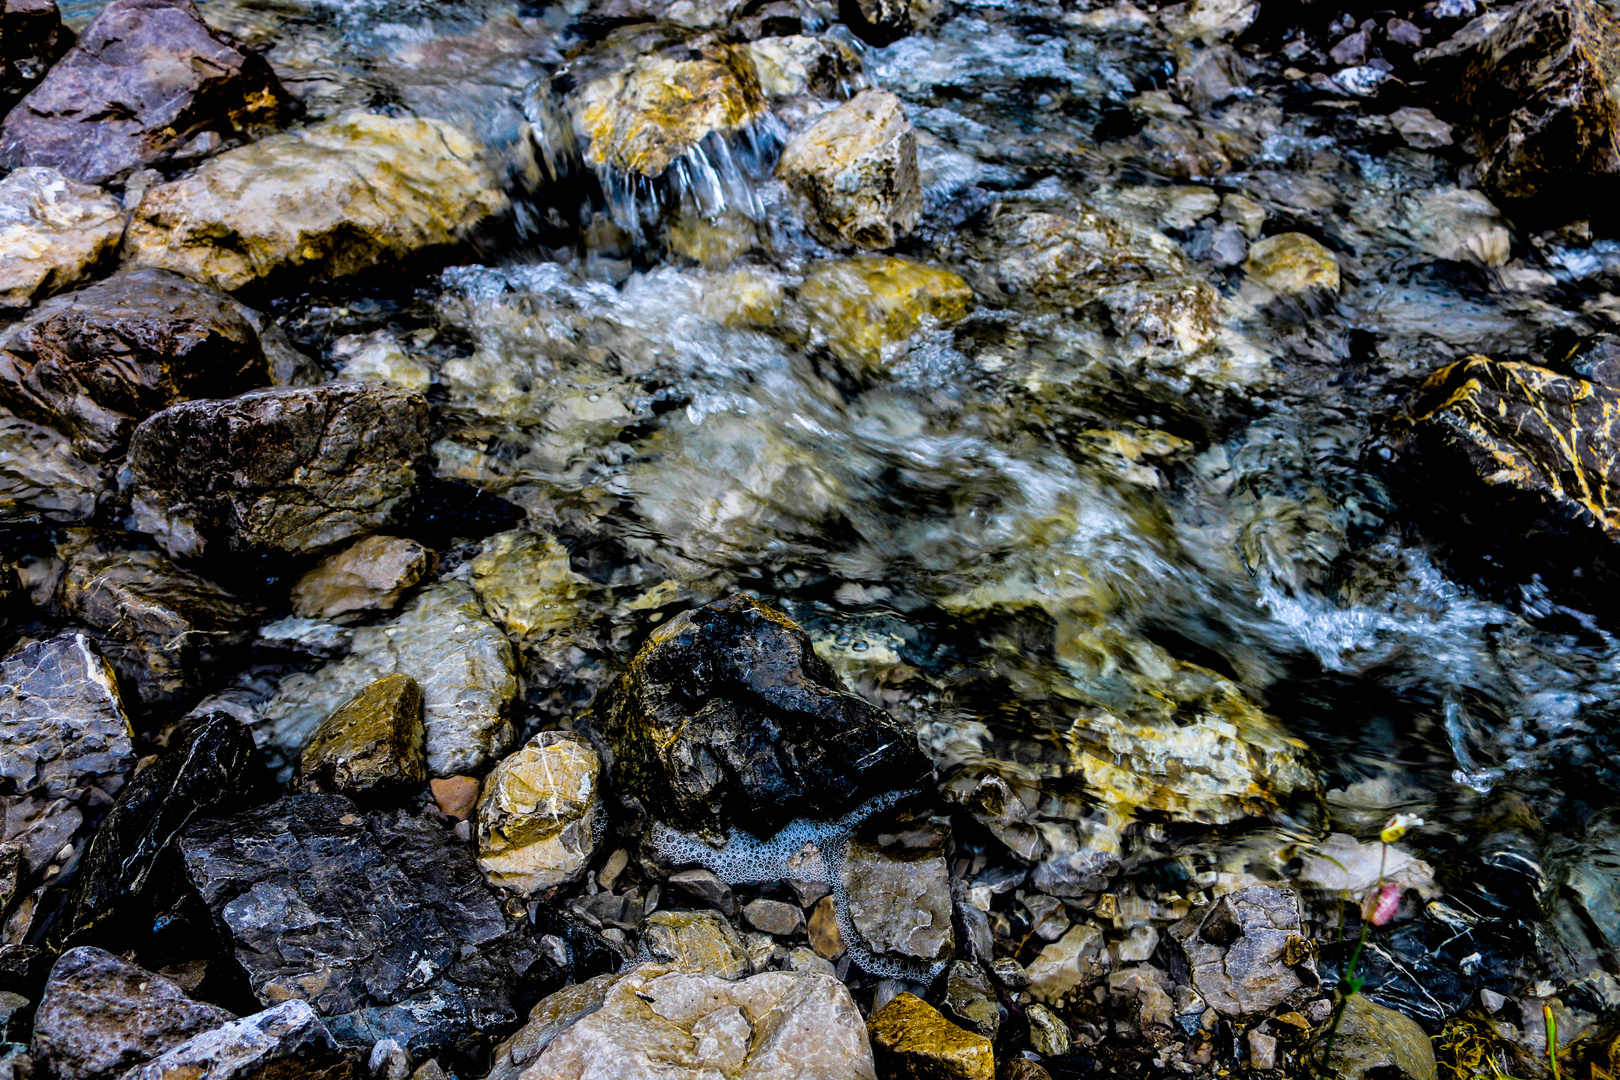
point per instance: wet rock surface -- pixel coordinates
(1245, 952)
(54, 232)
(699, 941)
(278, 1041)
(540, 817)
(370, 576)
(373, 740)
(856, 167)
(41, 474)
(34, 39)
(864, 308)
(910, 1038)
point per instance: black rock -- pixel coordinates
(727, 716)
(380, 921)
(32, 37)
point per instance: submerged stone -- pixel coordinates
(1246, 953)
(541, 816)
(727, 715)
(287, 1040)
(54, 232)
(369, 576)
(374, 740)
(970, 999)
(864, 307)
(856, 169)
(898, 889)
(911, 1039)
(525, 582)
(1293, 263)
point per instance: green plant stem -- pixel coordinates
(1349, 984)
(1551, 1023)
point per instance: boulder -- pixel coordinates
(147, 81)
(96, 362)
(32, 37)
(379, 920)
(910, 1038)
(373, 740)
(287, 1040)
(898, 889)
(541, 816)
(54, 233)
(855, 168)
(365, 578)
(101, 1015)
(41, 475)
(863, 309)
(699, 941)
(726, 715)
(443, 640)
(1247, 953)
(328, 200)
(655, 1023)
(550, 1017)
(294, 469)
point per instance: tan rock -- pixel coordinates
(540, 817)
(864, 307)
(1293, 263)
(369, 576)
(525, 583)
(700, 941)
(1065, 964)
(799, 64)
(331, 199)
(53, 233)
(856, 169)
(911, 1038)
(457, 796)
(1375, 1041)
(825, 937)
(373, 740)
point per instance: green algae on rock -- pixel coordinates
(863, 308)
(540, 817)
(373, 740)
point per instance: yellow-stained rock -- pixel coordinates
(1293, 263)
(912, 1040)
(861, 307)
(695, 941)
(373, 740)
(855, 169)
(540, 817)
(524, 581)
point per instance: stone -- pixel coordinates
(855, 168)
(970, 999)
(294, 469)
(379, 920)
(541, 816)
(96, 362)
(1048, 1034)
(1373, 1041)
(147, 81)
(54, 233)
(287, 1040)
(863, 309)
(660, 1024)
(1421, 128)
(707, 887)
(1024, 1069)
(801, 958)
(526, 584)
(1073, 258)
(1461, 225)
(163, 625)
(774, 917)
(550, 1017)
(1147, 993)
(369, 576)
(727, 716)
(32, 38)
(825, 936)
(374, 740)
(1067, 964)
(101, 1015)
(911, 1039)
(41, 474)
(457, 796)
(1294, 264)
(1341, 865)
(699, 941)
(898, 889)
(328, 200)
(442, 639)
(798, 64)
(883, 22)
(115, 889)
(1245, 953)
(1262, 1051)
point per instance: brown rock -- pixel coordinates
(825, 937)
(147, 81)
(456, 795)
(856, 169)
(912, 1040)
(369, 576)
(374, 740)
(695, 941)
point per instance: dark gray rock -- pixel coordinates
(32, 37)
(41, 475)
(970, 999)
(1246, 953)
(147, 81)
(381, 921)
(297, 469)
(95, 362)
(101, 1015)
(286, 1041)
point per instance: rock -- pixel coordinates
(457, 796)
(330, 200)
(147, 80)
(1263, 1051)
(970, 999)
(1461, 225)
(856, 169)
(1294, 264)
(40, 473)
(706, 886)
(163, 625)
(864, 308)
(898, 889)
(1341, 865)
(369, 576)
(116, 887)
(1377, 1042)
(1047, 1033)
(101, 1015)
(1073, 258)
(54, 233)
(825, 936)
(96, 362)
(541, 816)
(380, 921)
(32, 37)
(526, 584)
(774, 917)
(659, 1024)
(699, 941)
(796, 65)
(287, 1040)
(294, 469)
(1146, 991)
(1246, 953)
(911, 1039)
(1066, 964)
(1421, 128)
(374, 740)
(882, 22)
(1024, 1069)
(549, 1018)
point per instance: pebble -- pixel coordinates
(774, 917)
(457, 796)
(825, 937)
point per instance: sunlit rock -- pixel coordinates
(855, 169)
(1294, 264)
(911, 1038)
(798, 64)
(53, 233)
(525, 582)
(864, 308)
(373, 740)
(541, 816)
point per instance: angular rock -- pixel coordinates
(1066, 964)
(856, 169)
(123, 871)
(54, 232)
(726, 715)
(970, 999)
(40, 474)
(101, 1015)
(1073, 258)
(1294, 264)
(147, 80)
(659, 1024)
(1048, 1034)
(549, 1018)
(825, 937)
(32, 37)
(366, 577)
(457, 796)
(380, 921)
(541, 816)
(1246, 953)
(698, 941)
(463, 663)
(96, 362)
(296, 469)
(706, 887)
(526, 584)
(911, 1039)
(898, 890)
(1373, 1041)
(373, 740)
(798, 64)
(287, 1040)
(864, 308)
(774, 917)
(330, 200)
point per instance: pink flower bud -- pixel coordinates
(1383, 904)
